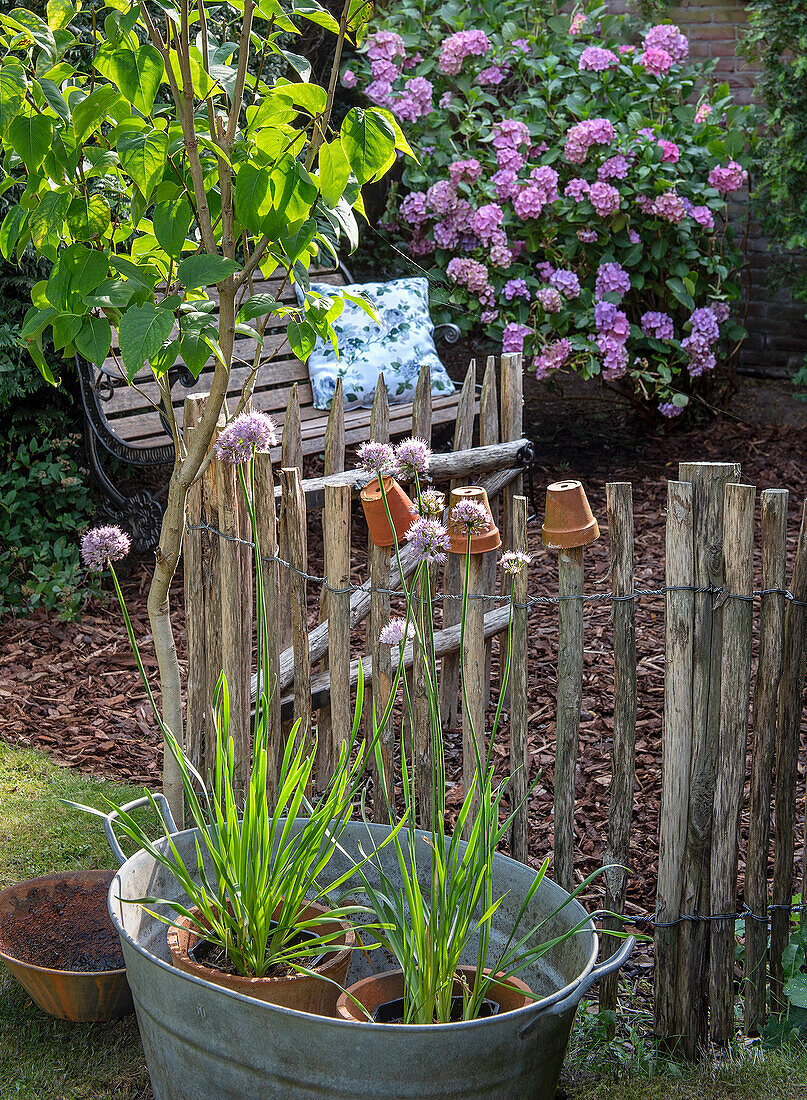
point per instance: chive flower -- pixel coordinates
(377, 458)
(413, 457)
(249, 433)
(100, 545)
(470, 517)
(514, 561)
(431, 504)
(396, 632)
(429, 541)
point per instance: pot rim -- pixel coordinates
(525, 1013)
(100, 875)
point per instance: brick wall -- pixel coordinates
(777, 329)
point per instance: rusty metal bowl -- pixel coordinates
(81, 996)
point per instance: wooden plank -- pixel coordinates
(336, 532)
(266, 522)
(732, 748)
(194, 585)
(787, 759)
(709, 481)
(619, 504)
(570, 693)
(676, 747)
(489, 436)
(519, 745)
(473, 681)
(295, 513)
(766, 694)
(379, 560)
(422, 405)
(450, 705)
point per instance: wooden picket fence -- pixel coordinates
(711, 605)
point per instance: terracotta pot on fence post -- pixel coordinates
(568, 520)
(401, 509)
(489, 539)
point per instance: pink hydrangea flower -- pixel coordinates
(493, 75)
(587, 236)
(625, 49)
(500, 255)
(595, 59)
(549, 298)
(702, 113)
(385, 44)
(445, 101)
(528, 203)
(614, 168)
(698, 345)
(722, 311)
(516, 288)
(441, 198)
(612, 278)
(384, 71)
(488, 316)
(666, 36)
(703, 216)
(421, 245)
(729, 177)
(460, 45)
(670, 207)
(544, 270)
(566, 282)
(349, 79)
(578, 24)
(510, 159)
(416, 100)
(545, 181)
(581, 137)
(413, 61)
(633, 236)
(464, 171)
(514, 336)
(505, 183)
(521, 44)
(604, 198)
(670, 152)
(468, 273)
(656, 61)
(576, 189)
(668, 409)
(552, 357)
(486, 222)
(510, 133)
(413, 208)
(659, 325)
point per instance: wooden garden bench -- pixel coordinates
(126, 422)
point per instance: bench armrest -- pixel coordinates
(448, 332)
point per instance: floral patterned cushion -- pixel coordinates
(398, 344)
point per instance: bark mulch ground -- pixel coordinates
(72, 689)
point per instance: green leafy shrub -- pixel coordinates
(572, 186)
(44, 503)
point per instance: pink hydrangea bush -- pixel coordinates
(573, 187)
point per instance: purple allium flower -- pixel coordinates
(516, 288)
(469, 516)
(576, 189)
(396, 632)
(612, 278)
(513, 561)
(666, 36)
(655, 61)
(668, 409)
(595, 59)
(458, 46)
(514, 336)
(412, 456)
(100, 545)
(581, 136)
(430, 504)
(729, 177)
(614, 168)
(250, 433)
(429, 540)
(703, 216)
(604, 198)
(413, 208)
(377, 459)
(566, 282)
(659, 325)
(587, 236)
(348, 79)
(549, 298)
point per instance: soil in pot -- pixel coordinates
(392, 1012)
(213, 955)
(66, 927)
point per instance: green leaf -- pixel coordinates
(302, 338)
(54, 99)
(111, 294)
(60, 12)
(310, 97)
(94, 340)
(194, 352)
(796, 991)
(680, 293)
(141, 333)
(301, 65)
(257, 306)
(136, 72)
(369, 144)
(88, 217)
(12, 93)
(35, 322)
(315, 13)
(90, 112)
(171, 221)
(65, 328)
(38, 356)
(204, 270)
(47, 221)
(143, 156)
(10, 230)
(78, 272)
(30, 138)
(334, 170)
(253, 199)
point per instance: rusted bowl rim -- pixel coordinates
(99, 875)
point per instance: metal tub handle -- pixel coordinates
(609, 966)
(145, 800)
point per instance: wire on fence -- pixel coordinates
(707, 918)
(718, 592)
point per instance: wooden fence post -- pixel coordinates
(266, 521)
(291, 458)
(619, 504)
(194, 582)
(424, 604)
(336, 528)
(295, 518)
(676, 747)
(519, 747)
(512, 427)
(787, 756)
(766, 694)
(732, 748)
(473, 673)
(570, 694)
(379, 616)
(489, 436)
(709, 481)
(211, 554)
(450, 706)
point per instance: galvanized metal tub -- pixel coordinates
(203, 1040)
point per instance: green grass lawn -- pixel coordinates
(46, 1059)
